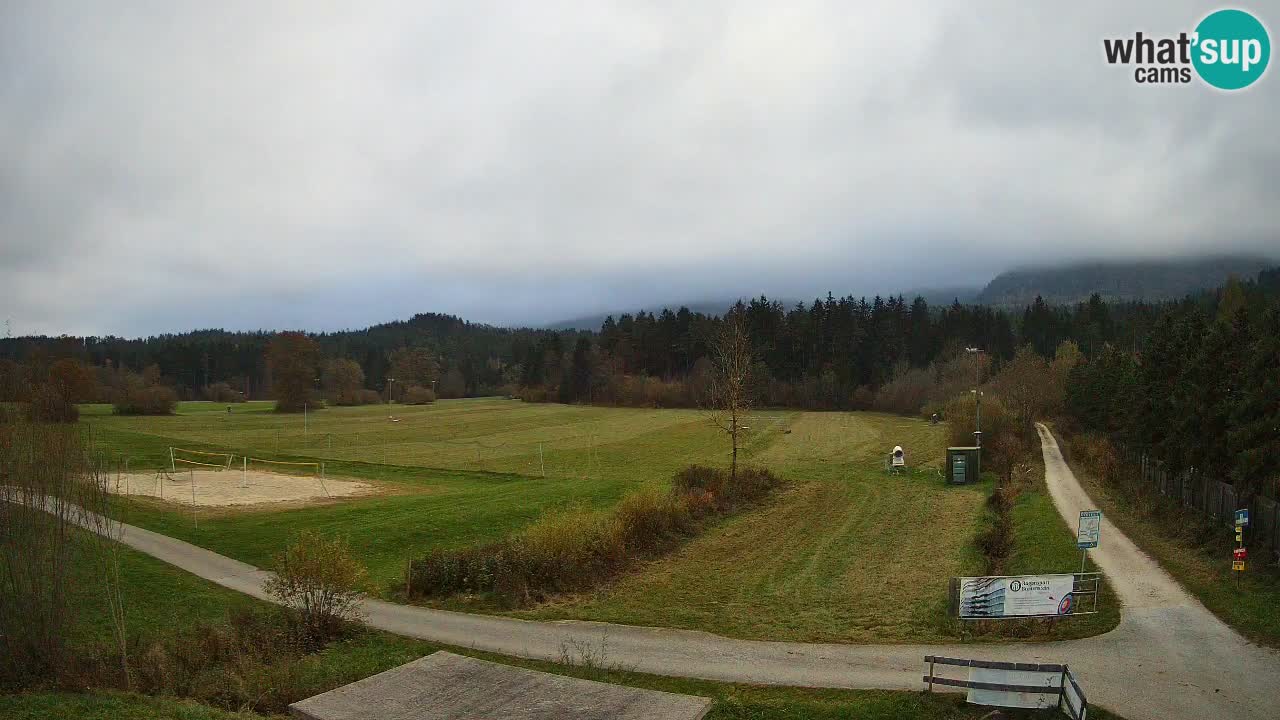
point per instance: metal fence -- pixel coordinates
(1215, 499)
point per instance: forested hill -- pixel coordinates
(832, 353)
(1149, 281)
(470, 357)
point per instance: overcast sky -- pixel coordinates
(170, 165)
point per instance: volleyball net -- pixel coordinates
(186, 459)
(286, 467)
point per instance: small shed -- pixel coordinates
(964, 465)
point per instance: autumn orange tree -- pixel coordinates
(293, 358)
(343, 382)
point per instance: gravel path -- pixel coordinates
(1169, 659)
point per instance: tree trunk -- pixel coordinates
(733, 464)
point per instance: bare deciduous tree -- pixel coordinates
(731, 386)
(50, 491)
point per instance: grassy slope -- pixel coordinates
(188, 600)
(847, 553)
(1203, 570)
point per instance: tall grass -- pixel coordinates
(576, 549)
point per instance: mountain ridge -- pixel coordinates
(1118, 281)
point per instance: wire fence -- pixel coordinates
(1215, 499)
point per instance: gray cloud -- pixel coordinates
(169, 165)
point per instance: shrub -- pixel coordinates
(700, 478)
(48, 405)
(154, 400)
(996, 540)
(320, 581)
(417, 395)
(537, 394)
(907, 393)
(752, 484)
(223, 393)
(250, 661)
(651, 516)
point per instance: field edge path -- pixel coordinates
(1169, 659)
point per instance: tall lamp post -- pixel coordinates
(977, 394)
(304, 410)
(389, 381)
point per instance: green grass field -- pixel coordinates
(844, 553)
(443, 500)
(188, 601)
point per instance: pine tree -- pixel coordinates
(1255, 419)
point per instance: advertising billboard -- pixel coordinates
(1016, 596)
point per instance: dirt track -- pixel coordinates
(1169, 659)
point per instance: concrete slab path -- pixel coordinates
(445, 686)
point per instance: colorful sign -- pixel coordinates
(1237, 565)
(1016, 596)
(1242, 518)
(1090, 531)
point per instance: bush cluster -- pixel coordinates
(222, 393)
(154, 400)
(418, 395)
(751, 484)
(253, 660)
(50, 406)
(574, 550)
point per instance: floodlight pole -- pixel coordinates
(977, 394)
(389, 381)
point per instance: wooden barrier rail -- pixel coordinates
(1071, 698)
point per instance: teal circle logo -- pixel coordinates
(1232, 49)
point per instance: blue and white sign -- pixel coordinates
(993, 598)
(1090, 531)
(1242, 518)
